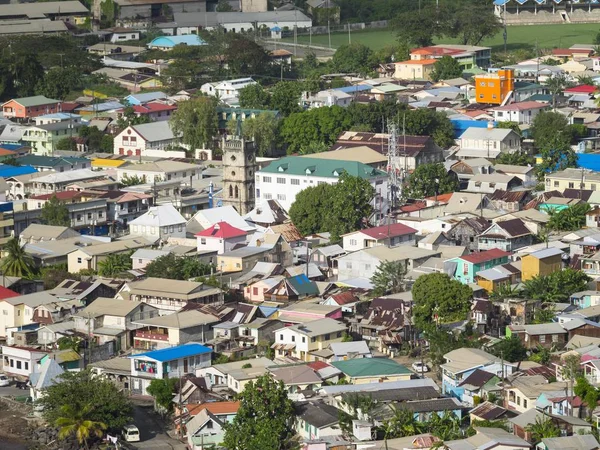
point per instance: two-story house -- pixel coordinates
(507, 235)
(20, 362)
(461, 363)
(235, 375)
(163, 170)
(173, 362)
(521, 112)
(18, 311)
(389, 235)
(111, 319)
(169, 296)
(123, 207)
(140, 140)
(159, 223)
(467, 266)
(487, 143)
(205, 429)
(43, 139)
(465, 232)
(300, 340)
(541, 263)
(221, 237)
(29, 107)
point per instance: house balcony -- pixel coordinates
(7, 223)
(151, 335)
(36, 138)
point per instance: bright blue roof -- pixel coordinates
(353, 89)
(172, 41)
(138, 99)
(589, 161)
(13, 171)
(170, 354)
(462, 125)
(11, 146)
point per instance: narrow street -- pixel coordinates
(153, 433)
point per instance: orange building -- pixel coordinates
(493, 88)
(29, 107)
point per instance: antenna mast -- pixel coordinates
(392, 166)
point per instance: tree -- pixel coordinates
(262, 129)
(55, 212)
(417, 27)
(544, 315)
(438, 298)
(471, 23)
(162, 390)
(431, 179)
(16, 263)
(542, 428)
(311, 208)
(553, 137)
(389, 278)
(542, 355)
(75, 422)
(446, 68)
(80, 389)
(511, 349)
(556, 85)
(254, 96)
(224, 6)
(353, 57)
(351, 205)
(195, 122)
(265, 418)
(517, 129)
(402, 423)
(128, 117)
(66, 143)
(557, 286)
(114, 264)
(428, 122)
(133, 180)
(569, 219)
(58, 82)
(96, 139)
(517, 158)
(588, 393)
(245, 57)
(285, 97)
(177, 268)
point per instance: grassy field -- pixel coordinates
(548, 36)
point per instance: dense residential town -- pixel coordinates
(315, 225)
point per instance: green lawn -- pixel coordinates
(548, 36)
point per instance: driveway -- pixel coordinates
(12, 391)
(153, 432)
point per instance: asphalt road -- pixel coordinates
(12, 391)
(153, 434)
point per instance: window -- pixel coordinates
(543, 339)
(293, 338)
(266, 179)
(303, 339)
(281, 337)
(171, 229)
(268, 197)
(524, 403)
(339, 334)
(78, 217)
(255, 291)
(348, 265)
(203, 241)
(295, 181)
(5, 312)
(165, 229)
(555, 338)
(18, 364)
(519, 401)
(353, 242)
(313, 339)
(327, 337)
(280, 180)
(100, 214)
(593, 187)
(571, 185)
(180, 228)
(280, 196)
(79, 261)
(556, 184)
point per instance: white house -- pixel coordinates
(226, 89)
(164, 170)
(21, 361)
(159, 223)
(236, 374)
(139, 139)
(144, 256)
(284, 178)
(389, 235)
(124, 34)
(221, 237)
(521, 113)
(172, 362)
(487, 143)
(299, 340)
(330, 97)
(18, 311)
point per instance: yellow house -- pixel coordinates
(241, 259)
(414, 69)
(540, 263)
(104, 163)
(572, 178)
(90, 257)
(372, 370)
(18, 311)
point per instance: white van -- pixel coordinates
(4, 381)
(131, 433)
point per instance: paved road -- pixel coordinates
(12, 391)
(153, 434)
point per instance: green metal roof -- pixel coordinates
(370, 367)
(49, 161)
(36, 100)
(325, 168)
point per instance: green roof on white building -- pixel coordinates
(316, 167)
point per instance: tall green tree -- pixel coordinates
(389, 278)
(428, 122)
(97, 141)
(245, 57)
(177, 268)
(114, 264)
(542, 428)
(55, 212)
(16, 262)
(553, 138)
(446, 68)
(263, 130)
(471, 22)
(517, 159)
(265, 418)
(588, 393)
(58, 82)
(66, 143)
(285, 97)
(430, 179)
(511, 349)
(162, 390)
(82, 389)
(195, 121)
(417, 27)
(557, 286)
(353, 57)
(76, 422)
(437, 298)
(311, 208)
(254, 96)
(556, 85)
(128, 117)
(569, 219)
(351, 206)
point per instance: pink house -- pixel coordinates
(256, 292)
(221, 237)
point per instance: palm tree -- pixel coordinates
(75, 422)
(114, 264)
(542, 428)
(16, 263)
(556, 85)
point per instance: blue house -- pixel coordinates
(466, 267)
(172, 362)
(168, 42)
(424, 409)
(14, 171)
(140, 99)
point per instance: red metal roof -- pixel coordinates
(318, 365)
(479, 257)
(7, 293)
(391, 230)
(153, 107)
(222, 230)
(521, 106)
(441, 198)
(583, 89)
(62, 195)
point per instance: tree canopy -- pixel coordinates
(557, 286)
(353, 57)
(80, 390)
(568, 219)
(439, 299)
(511, 349)
(115, 264)
(177, 267)
(265, 418)
(15, 262)
(263, 130)
(389, 277)
(55, 212)
(430, 179)
(196, 122)
(446, 68)
(553, 137)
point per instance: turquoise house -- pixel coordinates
(467, 266)
(557, 204)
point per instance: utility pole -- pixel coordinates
(505, 33)
(329, 32)
(349, 36)
(537, 58)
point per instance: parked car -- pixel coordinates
(22, 385)
(4, 381)
(131, 433)
(420, 367)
